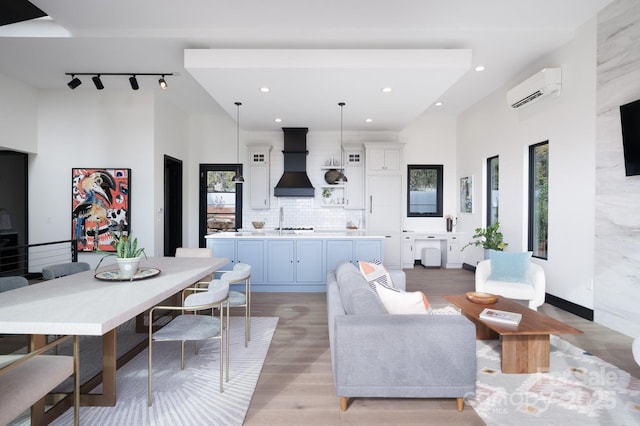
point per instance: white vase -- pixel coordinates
(128, 266)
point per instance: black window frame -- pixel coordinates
(202, 222)
(531, 234)
(490, 180)
(439, 168)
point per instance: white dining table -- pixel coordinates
(80, 304)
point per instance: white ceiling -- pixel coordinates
(311, 54)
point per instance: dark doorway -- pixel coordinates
(13, 211)
(172, 205)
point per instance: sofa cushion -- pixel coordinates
(357, 297)
(400, 302)
(509, 267)
(375, 272)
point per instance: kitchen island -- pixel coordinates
(288, 261)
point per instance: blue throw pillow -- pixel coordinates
(511, 267)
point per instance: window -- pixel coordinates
(493, 166)
(424, 191)
(220, 199)
(538, 199)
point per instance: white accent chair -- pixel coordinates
(635, 349)
(533, 290)
(192, 326)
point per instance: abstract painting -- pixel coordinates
(466, 194)
(100, 207)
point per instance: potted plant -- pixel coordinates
(326, 194)
(127, 255)
(490, 238)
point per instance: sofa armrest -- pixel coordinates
(404, 352)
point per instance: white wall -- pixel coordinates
(491, 128)
(110, 129)
(171, 137)
(18, 115)
(431, 139)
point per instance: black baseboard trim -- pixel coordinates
(570, 307)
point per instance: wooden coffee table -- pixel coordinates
(525, 348)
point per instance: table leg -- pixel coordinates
(482, 331)
(108, 396)
(36, 341)
(525, 353)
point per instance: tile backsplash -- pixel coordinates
(304, 212)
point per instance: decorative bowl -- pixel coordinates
(331, 176)
(481, 298)
(258, 225)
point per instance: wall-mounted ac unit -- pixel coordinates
(546, 82)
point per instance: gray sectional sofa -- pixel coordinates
(375, 354)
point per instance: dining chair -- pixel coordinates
(189, 326)
(58, 270)
(11, 283)
(195, 252)
(27, 378)
(241, 273)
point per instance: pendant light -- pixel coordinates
(237, 178)
(341, 177)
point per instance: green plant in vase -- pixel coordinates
(127, 255)
(490, 238)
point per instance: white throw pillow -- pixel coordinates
(399, 302)
(375, 272)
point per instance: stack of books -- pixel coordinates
(502, 317)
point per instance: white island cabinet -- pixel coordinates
(294, 263)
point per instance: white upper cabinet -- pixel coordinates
(259, 182)
(383, 158)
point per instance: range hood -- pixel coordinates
(294, 181)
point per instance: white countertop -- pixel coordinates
(270, 233)
(81, 304)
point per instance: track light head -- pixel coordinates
(162, 82)
(75, 82)
(134, 82)
(98, 82)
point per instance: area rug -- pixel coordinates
(190, 396)
(580, 389)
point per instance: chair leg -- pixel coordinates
(182, 354)
(460, 403)
(149, 373)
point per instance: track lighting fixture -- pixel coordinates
(98, 82)
(134, 82)
(75, 82)
(237, 178)
(133, 78)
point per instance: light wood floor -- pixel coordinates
(296, 384)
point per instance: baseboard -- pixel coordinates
(570, 307)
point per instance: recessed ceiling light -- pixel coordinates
(278, 120)
(386, 89)
(265, 89)
(480, 68)
(368, 120)
(438, 103)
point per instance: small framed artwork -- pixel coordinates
(466, 194)
(99, 207)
